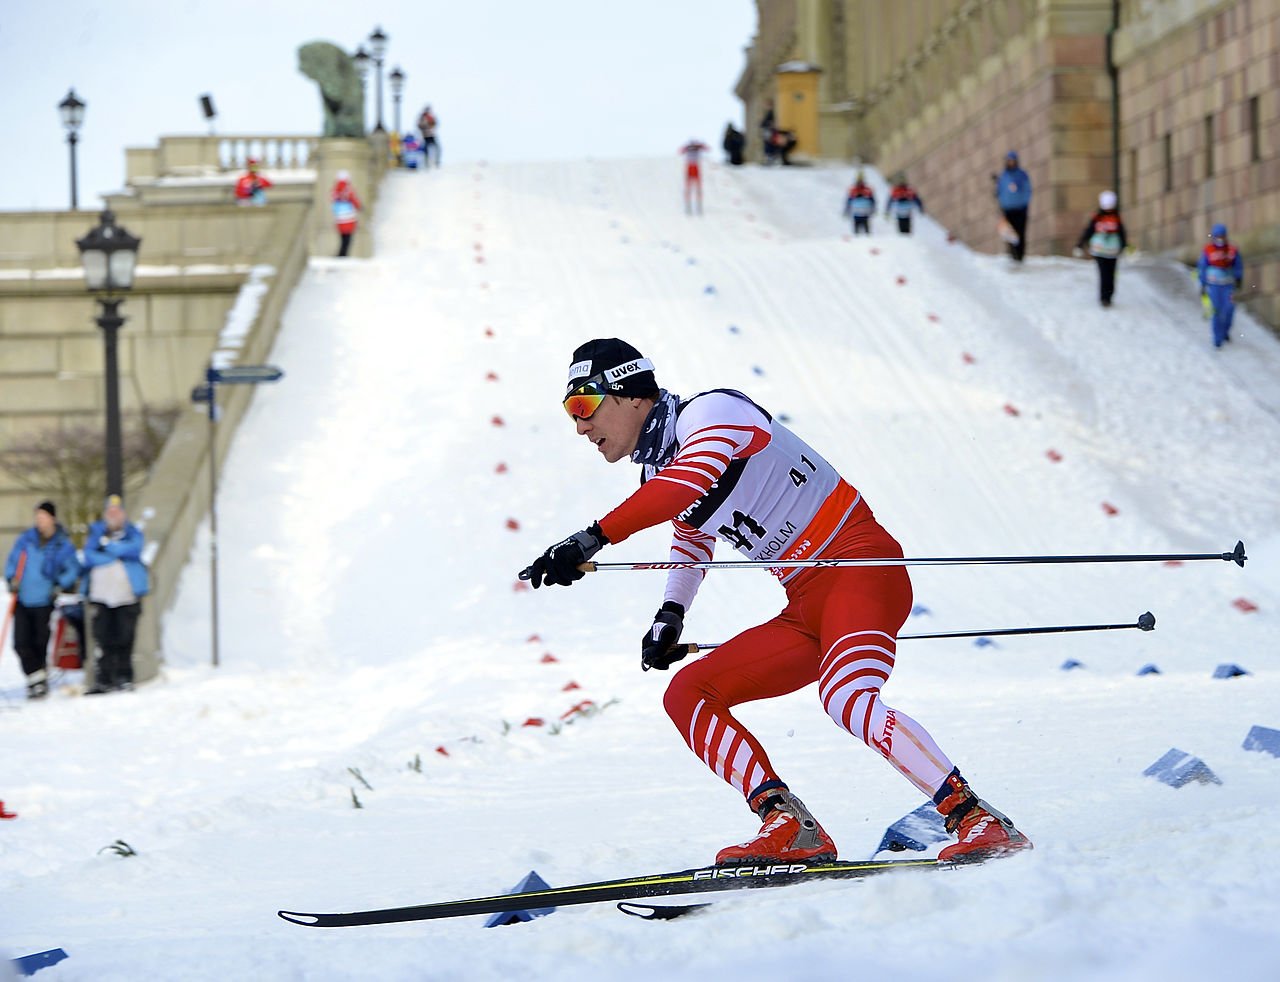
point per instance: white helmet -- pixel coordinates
(1107, 200)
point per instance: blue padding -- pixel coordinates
(531, 882)
(1177, 768)
(1228, 671)
(1263, 738)
(30, 964)
(915, 831)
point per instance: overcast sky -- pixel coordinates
(509, 80)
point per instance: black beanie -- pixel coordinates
(622, 369)
(47, 506)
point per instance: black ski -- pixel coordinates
(706, 879)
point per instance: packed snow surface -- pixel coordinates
(376, 647)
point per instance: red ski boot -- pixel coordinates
(983, 832)
(789, 834)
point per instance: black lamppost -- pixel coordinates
(72, 110)
(378, 48)
(109, 254)
(397, 89)
(361, 58)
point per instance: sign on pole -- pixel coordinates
(207, 394)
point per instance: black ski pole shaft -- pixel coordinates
(1145, 622)
(1236, 555)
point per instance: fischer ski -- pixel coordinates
(705, 879)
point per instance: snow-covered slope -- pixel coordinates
(379, 501)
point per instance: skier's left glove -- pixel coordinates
(558, 566)
(658, 646)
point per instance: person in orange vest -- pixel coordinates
(1221, 270)
(860, 205)
(251, 187)
(346, 204)
(902, 199)
(1105, 239)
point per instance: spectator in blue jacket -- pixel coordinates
(41, 564)
(117, 582)
(1221, 270)
(1013, 194)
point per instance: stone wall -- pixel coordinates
(192, 263)
(1200, 132)
(1175, 106)
(1042, 91)
(198, 249)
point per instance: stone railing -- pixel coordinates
(193, 156)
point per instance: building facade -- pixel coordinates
(1174, 104)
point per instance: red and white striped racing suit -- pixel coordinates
(740, 475)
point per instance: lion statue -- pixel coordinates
(341, 92)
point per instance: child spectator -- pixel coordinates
(1105, 239)
(345, 206)
(902, 199)
(1221, 270)
(860, 205)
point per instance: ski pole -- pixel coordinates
(1145, 622)
(1237, 556)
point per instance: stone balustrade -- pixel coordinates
(193, 156)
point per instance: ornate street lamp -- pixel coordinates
(72, 110)
(110, 254)
(397, 89)
(378, 48)
(361, 59)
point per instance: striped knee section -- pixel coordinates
(853, 670)
(724, 748)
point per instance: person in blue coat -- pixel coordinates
(1221, 270)
(1013, 194)
(117, 582)
(41, 564)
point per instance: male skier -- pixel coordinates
(719, 465)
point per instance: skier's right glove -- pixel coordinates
(559, 564)
(658, 646)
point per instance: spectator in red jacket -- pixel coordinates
(346, 204)
(252, 186)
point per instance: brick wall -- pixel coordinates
(941, 89)
(1200, 133)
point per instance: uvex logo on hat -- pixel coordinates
(630, 368)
